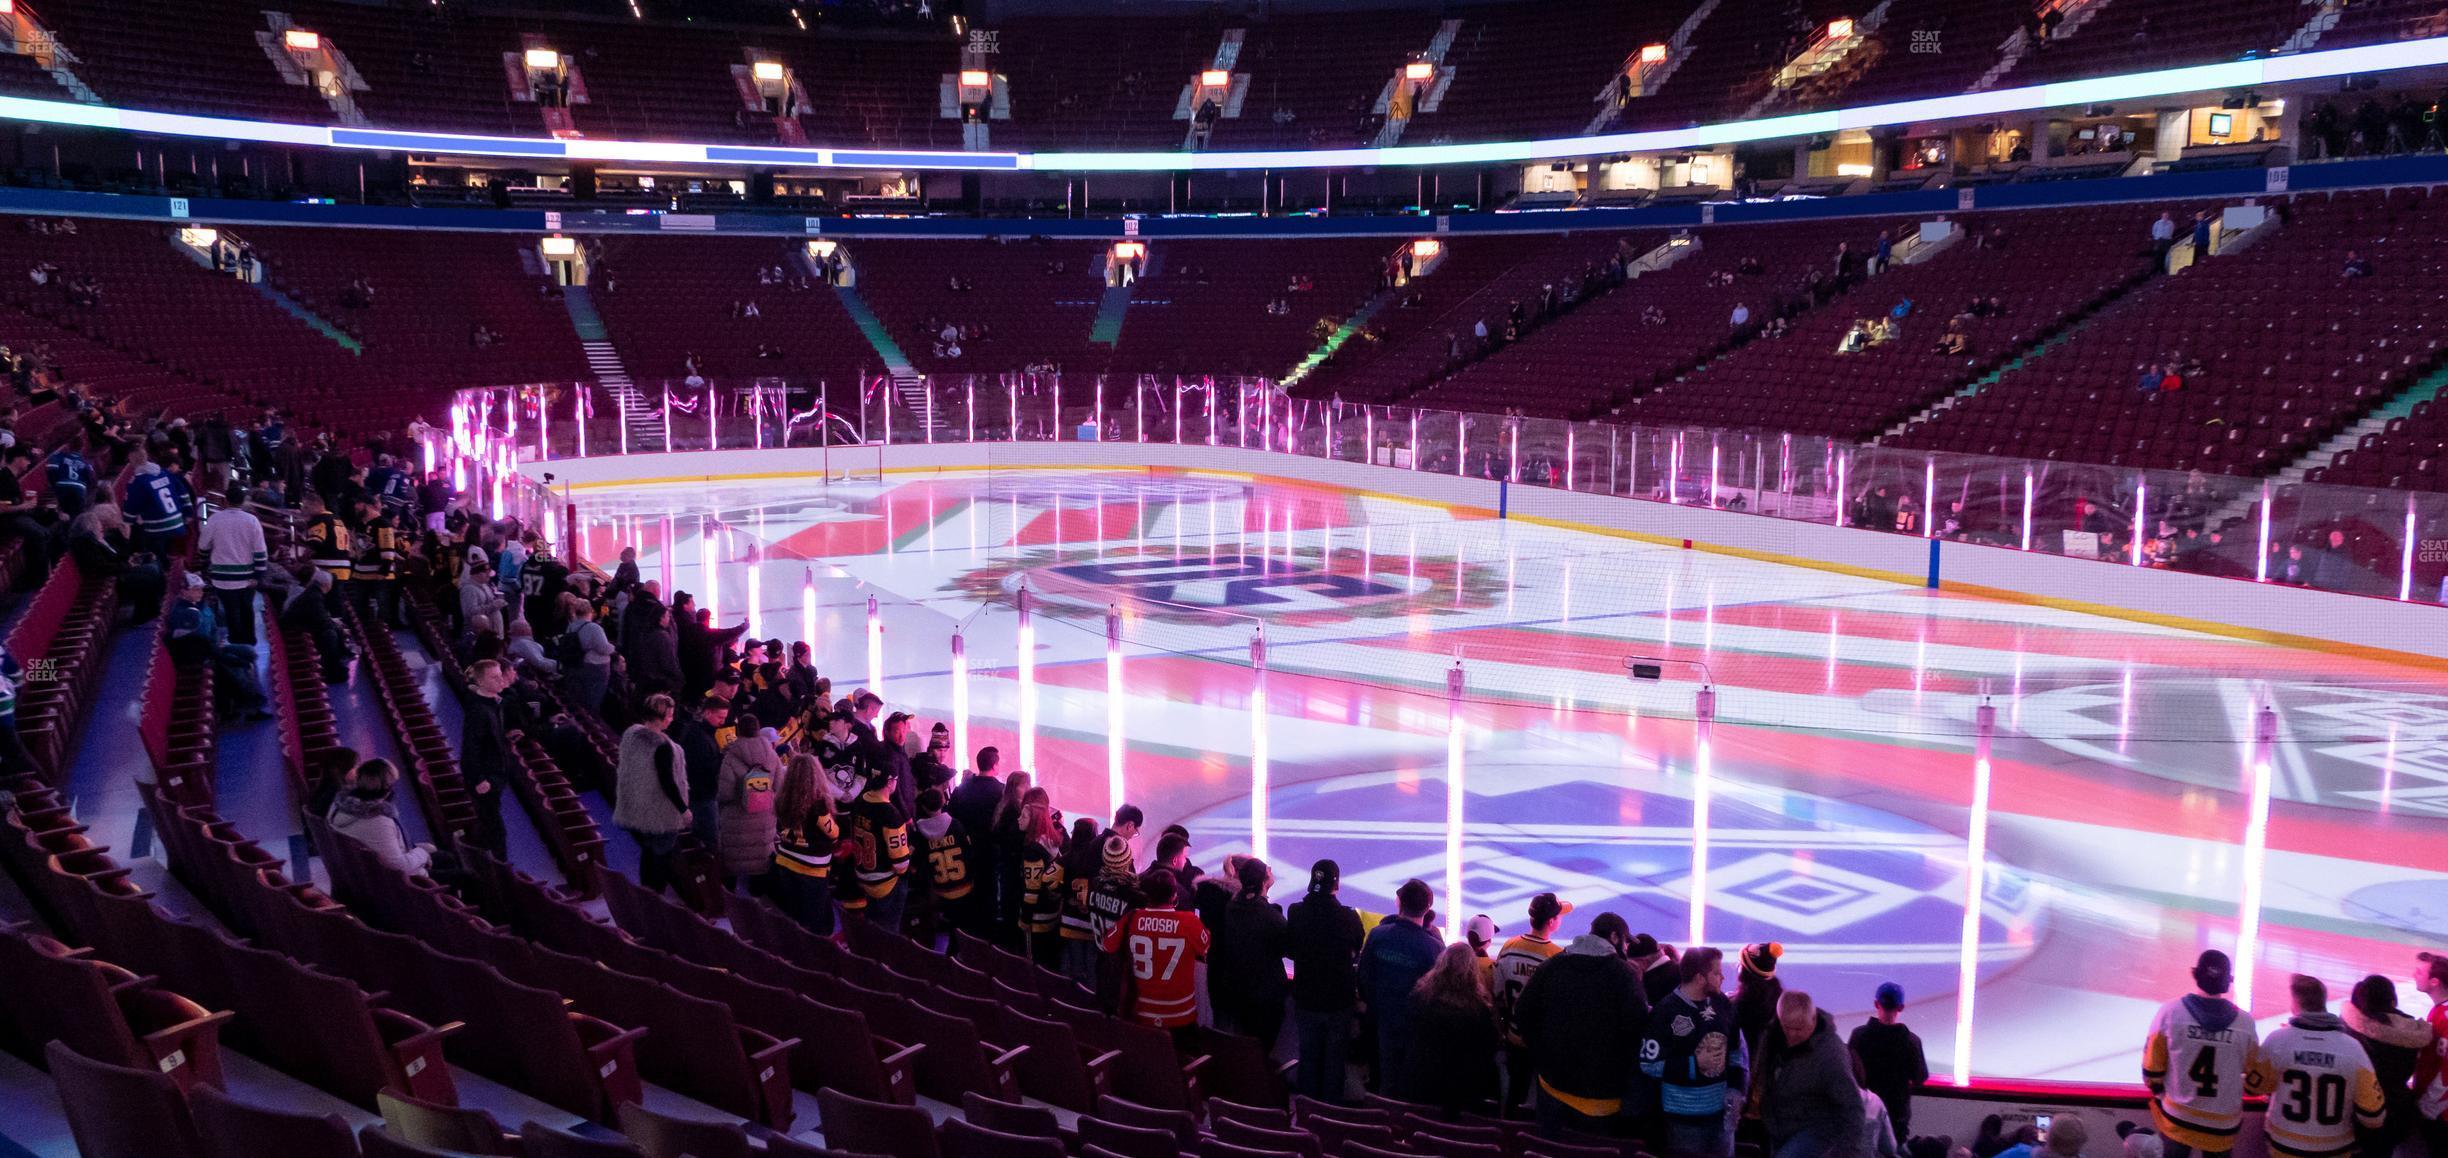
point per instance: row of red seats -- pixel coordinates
(428, 762)
(59, 640)
(175, 716)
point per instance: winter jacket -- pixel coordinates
(750, 772)
(1323, 937)
(1393, 959)
(2394, 1043)
(653, 783)
(704, 754)
(1453, 1055)
(1809, 1088)
(1581, 1018)
(653, 665)
(973, 804)
(1893, 1065)
(1248, 962)
(375, 824)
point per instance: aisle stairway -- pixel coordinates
(640, 420)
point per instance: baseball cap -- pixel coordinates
(1480, 930)
(2213, 971)
(1546, 907)
(1890, 996)
(1324, 876)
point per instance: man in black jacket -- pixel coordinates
(973, 803)
(1323, 937)
(1893, 1065)
(1581, 1018)
(702, 748)
(484, 748)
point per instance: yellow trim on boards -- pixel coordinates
(1997, 594)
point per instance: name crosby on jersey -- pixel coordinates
(1152, 923)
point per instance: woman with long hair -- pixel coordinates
(806, 831)
(1006, 844)
(2393, 1039)
(1453, 1034)
(1042, 886)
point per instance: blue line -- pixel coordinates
(843, 157)
(1933, 570)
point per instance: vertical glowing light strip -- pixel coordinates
(1113, 709)
(2261, 563)
(1011, 397)
(1415, 455)
(1368, 435)
(1674, 471)
(1929, 498)
(1976, 886)
(1710, 499)
(960, 696)
(1569, 461)
(1461, 445)
(2256, 851)
(1139, 413)
(1211, 425)
(930, 423)
(1028, 682)
(1513, 452)
(2027, 507)
(579, 397)
(884, 397)
(2405, 562)
(1842, 492)
(665, 557)
(756, 591)
(667, 441)
(2141, 495)
(1177, 409)
(543, 426)
(756, 406)
(1704, 716)
(1453, 802)
(875, 647)
(1098, 411)
(706, 558)
(1258, 744)
(807, 610)
(970, 410)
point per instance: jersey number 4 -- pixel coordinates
(2204, 1073)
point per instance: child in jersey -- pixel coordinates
(1162, 945)
(2319, 1082)
(2200, 1047)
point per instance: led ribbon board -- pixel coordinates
(2240, 74)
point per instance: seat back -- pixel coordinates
(663, 1136)
(1220, 1110)
(1181, 1123)
(119, 1111)
(470, 1131)
(1239, 1133)
(1010, 1117)
(962, 1139)
(881, 1128)
(234, 1129)
(377, 1142)
(1128, 1141)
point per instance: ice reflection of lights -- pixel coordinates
(1027, 663)
(1113, 709)
(875, 647)
(807, 613)
(1976, 871)
(1453, 801)
(756, 591)
(1704, 715)
(960, 695)
(2388, 768)
(2256, 851)
(2125, 699)
(2027, 507)
(707, 579)
(1258, 744)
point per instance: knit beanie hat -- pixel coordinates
(1116, 855)
(1760, 958)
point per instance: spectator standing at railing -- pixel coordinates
(2431, 1072)
(2395, 1041)
(2194, 1061)
(22, 518)
(1893, 1064)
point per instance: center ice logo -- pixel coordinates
(1302, 586)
